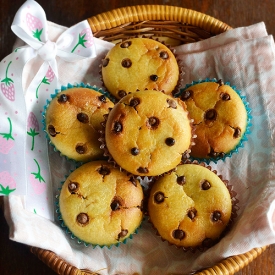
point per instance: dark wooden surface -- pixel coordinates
(16, 258)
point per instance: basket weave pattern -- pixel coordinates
(180, 24)
(176, 26)
(228, 266)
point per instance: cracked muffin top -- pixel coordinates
(138, 64)
(190, 207)
(100, 204)
(148, 132)
(72, 121)
(220, 118)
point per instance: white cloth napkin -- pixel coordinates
(28, 77)
(245, 58)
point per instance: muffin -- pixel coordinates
(73, 119)
(139, 64)
(190, 207)
(220, 118)
(148, 132)
(100, 204)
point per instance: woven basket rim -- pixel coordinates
(117, 19)
(228, 266)
(120, 16)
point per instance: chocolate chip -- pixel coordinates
(82, 218)
(73, 186)
(181, 180)
(216, 216)
(133, 181)
(102, 98)
(153, 122)
(170, 141)
(125, 44)
(126, 63)
(134, 102)
(178, 234)
(52, 131)
(83, 118)
(81, 149)
(115, 205)
(135, 151)
(121, 93)
(186, 95)
(237, 132)
(163, 55)
(159, 197)
(104, 170)
(142, 170)
(207, 242)
(210, 114)
(192, 213)
(117, 127)
(122, 234)
(62, 98)
(220, 82)
(172, 103)
(205, 185)
(141, 207)
(225, 96)
(214, 154)
(154, 77)
(105, 62)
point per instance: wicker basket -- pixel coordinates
(174, 25)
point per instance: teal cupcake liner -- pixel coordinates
(56, 92)
(75, 238)
(248, 125)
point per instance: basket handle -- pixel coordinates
(139, 13)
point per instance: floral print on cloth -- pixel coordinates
(23, 145)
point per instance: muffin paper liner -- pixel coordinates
(234, 215)
(248, 125)
(57, 91)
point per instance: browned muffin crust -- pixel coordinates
(73, 119)
(148, 132)
(139, 64)
(100, 204)
(219, 115)
(190, 207)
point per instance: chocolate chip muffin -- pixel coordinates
(138, 64)
(190, 207)
(148, 132)
(72, 121)
(101, 205)
(220, 118)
